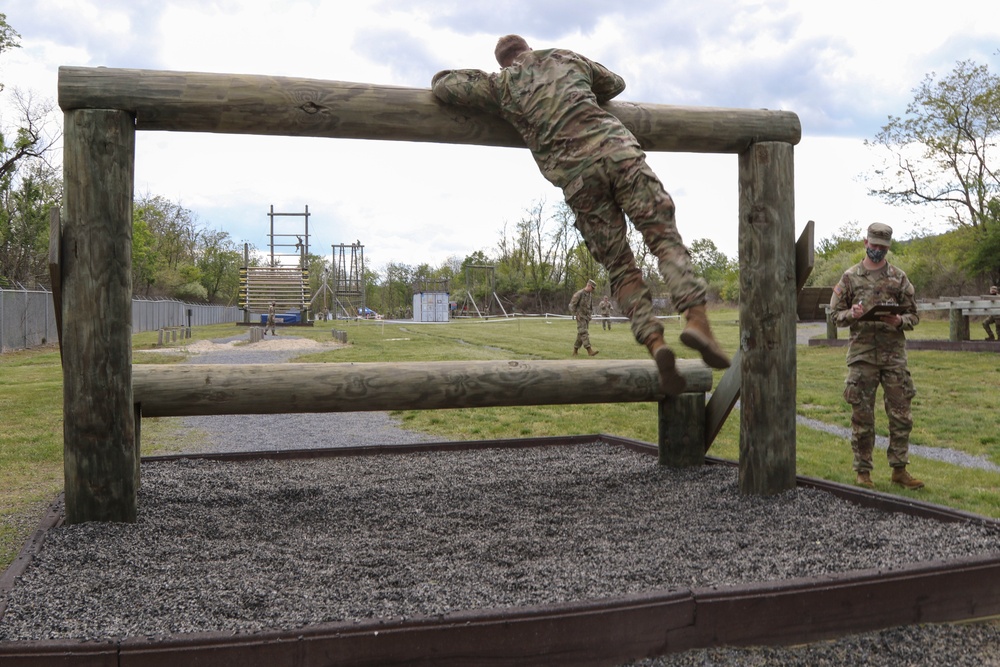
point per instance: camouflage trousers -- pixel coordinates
(994, 320)
(862, 382)
(270, 324)
(600, 199)
(582, 333)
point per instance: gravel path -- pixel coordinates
(281, 544)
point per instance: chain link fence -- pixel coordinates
(27, 317)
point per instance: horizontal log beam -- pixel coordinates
(273, 105)
(222, 389)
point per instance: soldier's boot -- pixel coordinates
(576, 351)
(672, 383)
(592, 352)
(698, 336)
(905, 479)
(989, 334)
(865, 479)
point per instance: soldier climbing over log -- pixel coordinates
(553, 98)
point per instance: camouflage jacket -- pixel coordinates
(582, 305)
(553, 99)
(874, 342)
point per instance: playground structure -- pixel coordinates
(284, 280)
(480, 279)
(90, 255)
(347, 280)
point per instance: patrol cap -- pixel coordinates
(879, 233)
(592, 282)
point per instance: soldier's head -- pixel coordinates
(993, 289)
(878, 241)
(590, 286)
(508, 48)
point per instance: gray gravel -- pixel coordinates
(280, 544)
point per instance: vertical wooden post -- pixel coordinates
(98, 419)
(958, 326)
(682, 430)
(767, 318)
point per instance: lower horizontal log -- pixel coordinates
(215, 389)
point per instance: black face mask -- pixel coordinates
(876, 256)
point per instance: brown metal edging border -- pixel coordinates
(52, 518)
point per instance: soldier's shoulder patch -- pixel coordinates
(837, 289)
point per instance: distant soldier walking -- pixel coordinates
(582, 307)
(605, 308)
(992, 319)
(877, 355)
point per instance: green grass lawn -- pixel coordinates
(956, 405)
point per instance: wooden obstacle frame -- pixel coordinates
(91, 246)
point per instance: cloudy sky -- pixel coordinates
(843, 67)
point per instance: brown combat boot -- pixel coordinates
(672, 383)
(698, 336)
(865, 479)
(576, 351)
(905, 479)
(592, 352)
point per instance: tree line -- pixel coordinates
(939, 153)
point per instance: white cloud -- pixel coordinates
(843, 67)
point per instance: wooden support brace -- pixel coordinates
(682, 430)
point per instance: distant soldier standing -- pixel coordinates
(992, 319)
(582, 307)
(877, 355)
(605, 307)
(270, 320)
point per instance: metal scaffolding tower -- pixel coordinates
(348, 278)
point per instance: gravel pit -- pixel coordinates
(268, 545)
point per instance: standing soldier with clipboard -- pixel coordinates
(876, 300)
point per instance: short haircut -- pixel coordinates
(508, 47)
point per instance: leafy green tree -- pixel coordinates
(937, 265)
(25, 206)
(941, 150)
(219, 261)
(719, 271)
(29, 186)
(8, 37)
(145, 263)
(849, 237)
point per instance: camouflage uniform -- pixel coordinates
(582, 307)
(270, 320)
(552, 97)
(605, 313)
(877, 354)
(992, 319)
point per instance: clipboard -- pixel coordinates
(878, 311)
